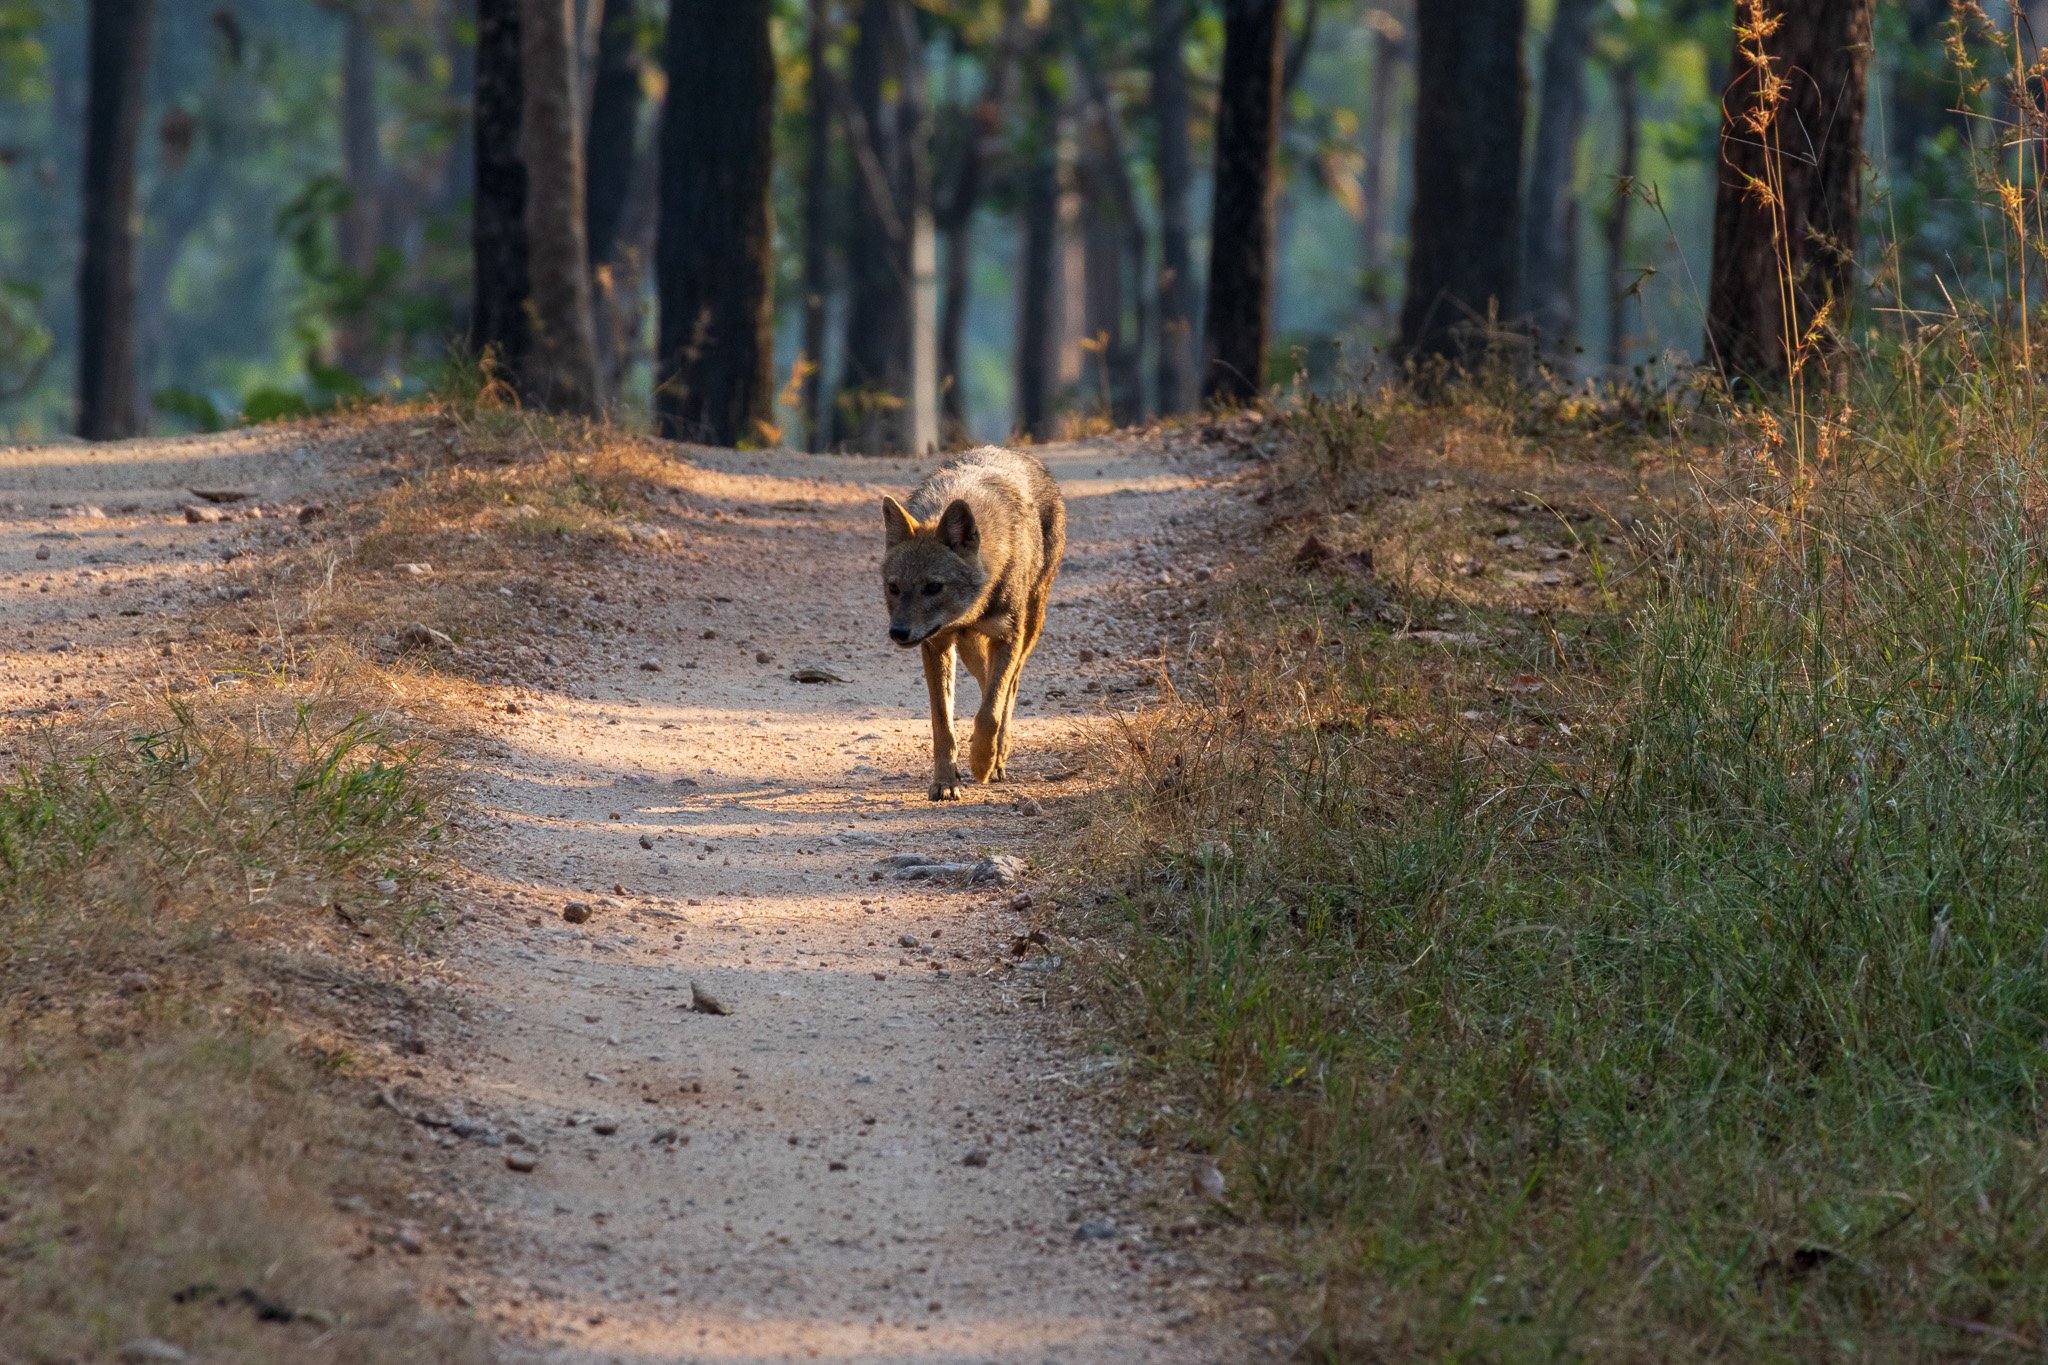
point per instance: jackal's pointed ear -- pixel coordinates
(897, 524)
(957, 528)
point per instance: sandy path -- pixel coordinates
(874, 1156)
(887, 1151)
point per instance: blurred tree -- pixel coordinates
(1628, 119)
(1465, 231)
(356, 348)
(612, 148)
(499, 325)
(979, 147)
(1393, 52)
(1240, 295)
(714, 257)
(562, 362)
(1037, 287)
(1786, 218)
(1551, 231)
(1175, 283)
(119, 57)
(818, 189)
(889, 393)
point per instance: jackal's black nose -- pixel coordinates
(900, 634)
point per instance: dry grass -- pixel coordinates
(208, 900)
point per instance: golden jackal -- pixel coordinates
(967, 568)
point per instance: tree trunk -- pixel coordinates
(562, 368)
(1793, 251)
(358, 233)
(118, 58)
(1114, 242)
(458, 172)
(614, 128)
(817, 191)
(1037, 289)
(1391, 51)
(956, 217)
(875, 380)
(1465, 230)
(1923, 86)
(499, 327)
(1240, 304)
(714, 256)
(1628, 114)
(1174, 288)
(920, 435)
(1550, 249)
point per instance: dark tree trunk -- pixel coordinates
(498, 323)
(956, 216)
(614, 129)
(1628, 115)
(1240, 302)
(562, 365)
(1550, 249)
(358, 233)
(818, 189)
(714, 256)
(1392, 47)
(118, 58)
(1175, 285)
(1465, 231)
(1811, 154)
(876, 319)
(1037, 287)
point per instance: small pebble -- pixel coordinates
(522, 1162)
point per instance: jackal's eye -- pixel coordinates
(895, 589)
(932, 589)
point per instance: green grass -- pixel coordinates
(1690, 1008)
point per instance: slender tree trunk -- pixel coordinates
(632, 258)
(877, 326)
(818, 189)
(499, 326)
(1240, 306)
(1465, 234)
(1114, 243)
(1549, 248)
(358, 233)
(1392, 48)
(1628, 116)
(1923, 88)
(1795, 252)
(1174, 287)
(118, 58)
(614, 128)
(956, 216)
(1037, 287)
(562, 369)
(458, 172)
(920, 434)
(714, 255)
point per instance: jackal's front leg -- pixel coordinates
(938, 683)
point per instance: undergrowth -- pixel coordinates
(1647, 963)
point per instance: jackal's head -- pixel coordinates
(931, 571)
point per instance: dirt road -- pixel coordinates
(885, 1149)
(875, 1155)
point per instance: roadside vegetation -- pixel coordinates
(1613, 922)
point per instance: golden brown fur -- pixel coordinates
(968, 565)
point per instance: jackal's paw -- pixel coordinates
(944, 789)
